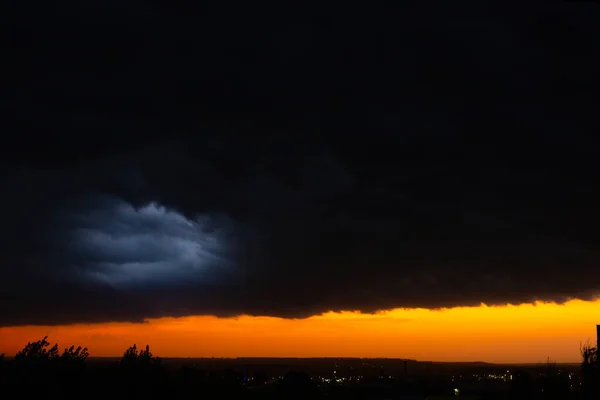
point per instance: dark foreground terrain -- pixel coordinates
(103, 378)
(41, 370)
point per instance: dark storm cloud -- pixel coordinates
(169, 167)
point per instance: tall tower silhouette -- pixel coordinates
(598, 337)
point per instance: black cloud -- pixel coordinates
(172, 166)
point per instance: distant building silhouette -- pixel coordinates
(598, 337)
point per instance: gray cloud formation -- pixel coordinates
(328, 240)
(121, 245)
(407, 178)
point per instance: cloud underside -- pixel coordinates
(210, 183)
(77, 250)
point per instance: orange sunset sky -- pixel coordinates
(525, 333)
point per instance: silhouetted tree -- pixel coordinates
(75, 355)
(142, 358)
(40, 352)
(589, 356)
(590, 371)
(142, 366)
(39, 364)
(37, 352)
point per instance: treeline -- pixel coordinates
(42, 369)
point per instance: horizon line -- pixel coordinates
(347, 358)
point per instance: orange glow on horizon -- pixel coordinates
(524, 333)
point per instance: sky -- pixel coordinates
(507, 334)
(177, 172)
